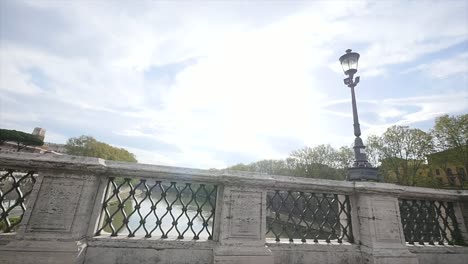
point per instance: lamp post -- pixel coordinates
(362, 170)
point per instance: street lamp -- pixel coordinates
(362, 170)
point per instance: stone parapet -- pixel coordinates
(64, 210)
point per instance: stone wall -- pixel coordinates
(63, 211)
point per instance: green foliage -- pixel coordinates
(403, 151)
(277, 167)
(118, 213)
(410, 156)
(344, 157)
(322, 161)
(89, 147)
(22, 139)
(451, 132)
(13, 221)
(373, 150)
(450, 135)
(404, 155)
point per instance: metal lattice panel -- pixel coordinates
(15, 188)
(153, 208)
(308, 216)
(429, 222)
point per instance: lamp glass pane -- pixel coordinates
(349, 62)
(353, 63)
(345, 65)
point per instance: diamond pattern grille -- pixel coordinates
(15, 187)
(308, 216)
(153, 208)
(429, 222)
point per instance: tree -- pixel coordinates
(21, 139)
(403, 152)
(321, 161)
(450, 136)
(273, 167)
(373, 150)
(90, 147)
(344, 157)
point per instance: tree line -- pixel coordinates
(21, 139)
(404, 155)
(90, 147)
(81, 146)
(322, 161)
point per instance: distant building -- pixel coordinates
(39, 132)
(447, 166)
(48, 147)
(443, 169)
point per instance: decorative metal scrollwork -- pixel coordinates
(155, 208)
(15, 187)
(429, 222)
(308, 216)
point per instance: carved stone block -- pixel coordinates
(56, 205)
(245, 214)
(386, 224)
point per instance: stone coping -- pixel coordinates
(442, 249)
(74, 164)
(310, 246)
(139, 242)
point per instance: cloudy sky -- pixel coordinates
(208, 84)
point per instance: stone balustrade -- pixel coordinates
(88, 210)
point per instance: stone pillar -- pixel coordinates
(242, 227)
(380, 230)
(461, 214)
(55, 224)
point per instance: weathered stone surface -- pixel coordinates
(238, 254)
(315, 253)
(440, 254)
(51, 161)
(390, 232)
(463, 206)
(380, 231)
(55, 209)
(242, 227)
(242, 216)
(243, 259)
(64, 206)
(61, 206)
(145, 255)
(245, 214)
(42, 252)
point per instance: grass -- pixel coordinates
(14, 220)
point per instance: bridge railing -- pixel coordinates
(151, 207)
(15, 188)
(300, 216)
(79, 209)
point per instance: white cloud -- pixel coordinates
(444, 68)
(17, 82)
(396, 32)
(256, 71)
(426, 108)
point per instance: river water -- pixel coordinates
(167, 217)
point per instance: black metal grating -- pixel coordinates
(15, 187)
(152, 208)
(308, 216)
(429, 222)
